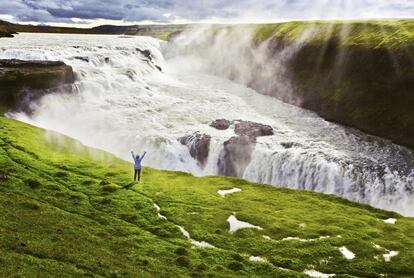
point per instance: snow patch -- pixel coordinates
(196, 243)
(201, 244)
(390, 221)
(387, 257)
(317, 274)
(305, 240)
(347, 254)
(228, 191)
(157, 207)
(267, 237)
(236, 224)
(257, 259)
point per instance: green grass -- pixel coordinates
(370, 34)
(68, 210)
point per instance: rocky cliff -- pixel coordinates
(24, 81)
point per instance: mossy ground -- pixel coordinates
(68, 210)
(372, 34)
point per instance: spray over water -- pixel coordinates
(124, 101)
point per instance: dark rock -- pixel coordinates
(253, 129)
(85, 59)
(7, 34)
(288, 145)
(236, 155)
(221, 124)
(198, 145)
(146, 53)
(22, 82)
(158, 67)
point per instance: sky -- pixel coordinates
(87, 13)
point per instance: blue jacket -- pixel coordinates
(137, 161)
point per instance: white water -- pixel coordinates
(127, 103)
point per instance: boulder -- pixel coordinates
(253, 129)
(221, 124)
(236, 155)
(198, 146)
(24, 81)
(7, 34)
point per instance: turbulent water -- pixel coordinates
(122, 101)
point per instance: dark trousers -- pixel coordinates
(137, 173)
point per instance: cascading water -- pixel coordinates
(123, 101)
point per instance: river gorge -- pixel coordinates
(145, 94)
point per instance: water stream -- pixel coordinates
(122, 101)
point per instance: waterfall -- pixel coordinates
(135, 93)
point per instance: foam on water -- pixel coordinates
(122, 101)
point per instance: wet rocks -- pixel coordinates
(236, 155)
(24, 81)
(221, 124)
(7, 34)
(148, 55)
(253, 129)
(237, 151)
(198, 146)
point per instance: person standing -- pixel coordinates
(137, 165)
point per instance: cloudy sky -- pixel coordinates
(95, 12)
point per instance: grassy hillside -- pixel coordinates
(371, 34)
(69, 210)
(157, 31)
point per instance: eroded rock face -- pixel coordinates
(253, 129)
(221, 124)
(25, 81)
(236, 155)
(198, 146)
(237, 151)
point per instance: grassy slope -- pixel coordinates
(371, 34)
(69, 210)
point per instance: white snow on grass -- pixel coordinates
(390, 221)
(236, 224)
(387, 257)
(376, 246)
(267, 237)
(201, 244)
(184, 232)
(196, 243)
(157, 207)
(305, 240)
(228, 191)
(317, 274)
(257, 259)
(347, 254)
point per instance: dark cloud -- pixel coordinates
(166, 10)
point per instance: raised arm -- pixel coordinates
(143, 154)
(133, 155)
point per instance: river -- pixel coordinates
(122, 101)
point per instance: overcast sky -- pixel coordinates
(94, 12)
